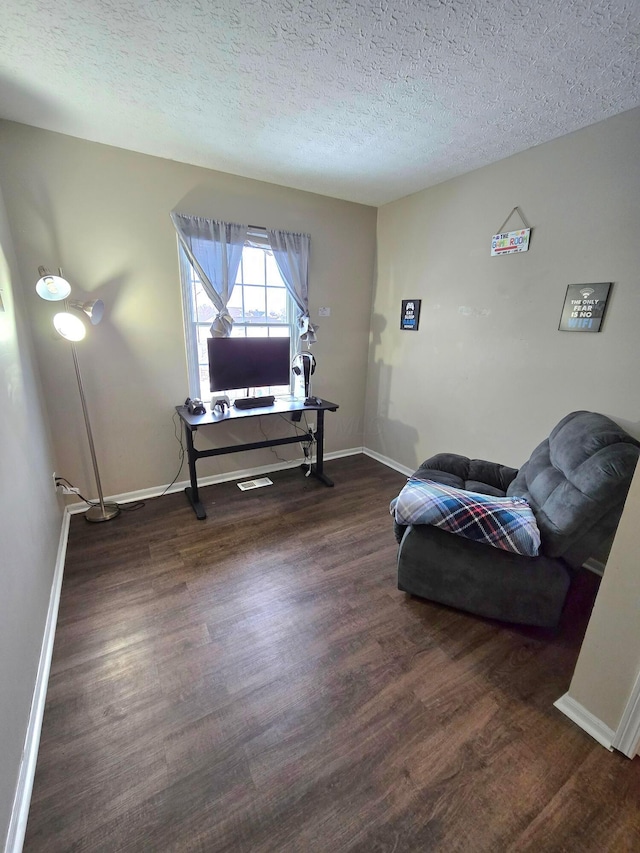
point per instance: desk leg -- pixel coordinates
(192, 491)
(318, 469)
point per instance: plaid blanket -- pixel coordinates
(506, 523)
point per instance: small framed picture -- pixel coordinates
(584, 307)
(410, 315)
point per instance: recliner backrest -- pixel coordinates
(576, 482)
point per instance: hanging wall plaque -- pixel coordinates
(508, 242)
(410, 315)
(584, 306)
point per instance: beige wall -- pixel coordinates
(488, 374)
(609, 661)
(102, 214)
(30, 523)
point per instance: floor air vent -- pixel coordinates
(255, 484)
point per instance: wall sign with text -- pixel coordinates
(584, 307)
(510, 242)
(410, 316)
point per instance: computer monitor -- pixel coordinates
(242, 362)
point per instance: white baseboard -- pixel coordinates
(22, 798)
(212, 480)
(627, 738)
(390, 463)
(594, 566)
(578, 714)
(341, 454)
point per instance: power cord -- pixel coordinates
(136, 505)
(74, 490)
(272, 449)
(62, 481)
(305, 445)
(309, 452)
(311, 429)
(177, 431)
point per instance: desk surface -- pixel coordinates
(281, 406)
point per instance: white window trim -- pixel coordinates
(190, 323)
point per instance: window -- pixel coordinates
(260, 306)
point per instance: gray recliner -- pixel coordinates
(576, 482)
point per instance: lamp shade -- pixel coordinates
(94, 310)
(69, 326)
(53, 288)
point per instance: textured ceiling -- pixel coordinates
(366, 100)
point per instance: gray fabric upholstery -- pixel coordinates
(489, 477)
(576, 482)
(475, 577)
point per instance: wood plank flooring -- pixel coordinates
(256, 682)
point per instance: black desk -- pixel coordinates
(280, 407)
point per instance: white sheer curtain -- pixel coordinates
(291, 253)
(214, 249)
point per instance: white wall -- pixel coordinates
(488, 374)
(30, 523)
(102, 214)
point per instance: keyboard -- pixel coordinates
(254, 402)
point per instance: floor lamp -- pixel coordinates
(55, 288)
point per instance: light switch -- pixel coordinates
(324, 312)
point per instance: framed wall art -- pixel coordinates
(410, 315)
(584, 307)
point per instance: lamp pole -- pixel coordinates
(55, 288)
(103, 512)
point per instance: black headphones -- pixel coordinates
(298, 363)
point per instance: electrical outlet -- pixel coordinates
(63, 488)
(68, 490)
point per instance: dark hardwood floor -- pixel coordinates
(256, 682)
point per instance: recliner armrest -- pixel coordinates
(464, 473)
(492, 473)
